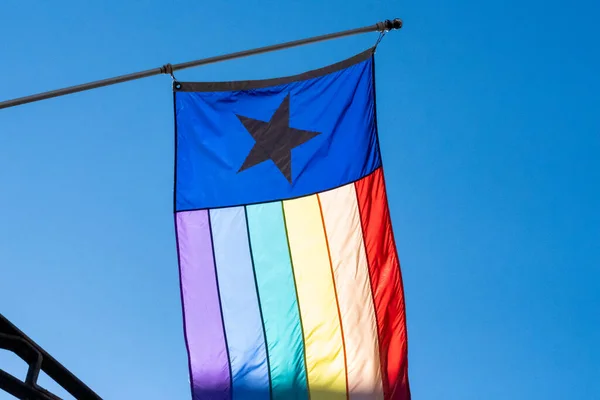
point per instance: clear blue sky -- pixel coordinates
(490, 130)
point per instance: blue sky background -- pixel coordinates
(490, 128)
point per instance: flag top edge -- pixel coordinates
(264, 83)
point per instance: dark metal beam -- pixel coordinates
(21, 390)
(13, 339)
(168, 68)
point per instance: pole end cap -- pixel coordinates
(389, 25)
(397, 23)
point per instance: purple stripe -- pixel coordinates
(207, 347)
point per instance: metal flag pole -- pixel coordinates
(383, 26)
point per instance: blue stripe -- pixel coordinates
(212, 142)
(277, 292)
(239, 300)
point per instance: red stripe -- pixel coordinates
(386, 285)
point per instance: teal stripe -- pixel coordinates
(277, 291)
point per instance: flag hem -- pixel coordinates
(263, 83)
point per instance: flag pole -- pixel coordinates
(382, 26)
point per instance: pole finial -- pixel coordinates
(389, 25)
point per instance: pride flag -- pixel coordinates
(290, 279)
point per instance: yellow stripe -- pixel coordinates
(316, 296)
(351, 271)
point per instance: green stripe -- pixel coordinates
(281, 315)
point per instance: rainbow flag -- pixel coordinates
(290, 279)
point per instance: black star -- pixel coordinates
(275, 139)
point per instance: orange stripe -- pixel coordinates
(341, 219)
(337, 301)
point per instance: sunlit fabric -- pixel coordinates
(290, 278)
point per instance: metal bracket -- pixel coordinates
(14, 340)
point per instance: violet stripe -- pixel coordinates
(207, 347)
